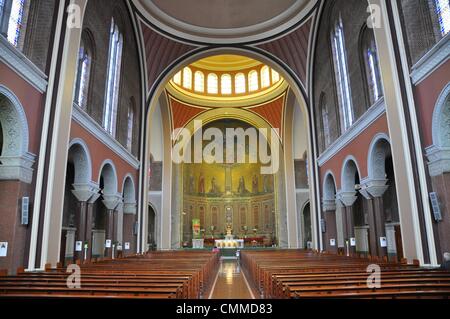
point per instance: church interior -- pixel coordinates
(193, 149)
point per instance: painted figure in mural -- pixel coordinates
(191, 184)
(255, 184)
(214, 188)
(201, 184)
(241, 189)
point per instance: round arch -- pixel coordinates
(80, 156)
(349, 170)
(109, 174)
(379, 149)
(329, 187)
(297, 89)
(441, 118)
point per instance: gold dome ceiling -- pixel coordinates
(227, 80)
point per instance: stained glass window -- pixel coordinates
(265, 77)
(443, 12)
(275, 76)
(240, 84)
(15, 21)
(130, 125)
(226, 84)
(113, 79)
(213, 85)
(199, 82)
(83, 76)
(187, 78)
(341, 73)
(253, 81)
(177, 78)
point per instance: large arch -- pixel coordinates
(297, 89)
(15, 158)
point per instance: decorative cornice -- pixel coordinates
(373, 188)
(438, 160)
(19, 63)
(95, 129)
(347, 198)
(434, 58)
(329, 205)
(372, 114)
(17, 167)
(84, 192)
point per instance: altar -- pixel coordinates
(229, 242)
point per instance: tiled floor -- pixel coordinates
(230, 282)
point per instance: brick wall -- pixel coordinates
(98, 23)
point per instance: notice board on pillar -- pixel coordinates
(3, 249)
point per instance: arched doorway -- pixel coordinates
(288, 228)
(329, 211)
(151, 239)
(307, 227)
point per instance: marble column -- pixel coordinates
(111, 202)
(89, 223)
(348, 198)
(83, 193)
(373, 190)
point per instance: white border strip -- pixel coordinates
(97, 131)
(433, 59)
(373, 114)
(19, 63)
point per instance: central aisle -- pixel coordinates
(231, 283)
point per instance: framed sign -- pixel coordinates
(383, 242)
(108, 243)
(353, 242)
(435, 206)
(127, 246)
(3, 249)
(333, 242)
(79, 246)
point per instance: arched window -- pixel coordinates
(187, 78)
(253, 81)
(371, 66)
(213, 83)
(12, 20)
(83, 75)
(177, 78)
(325, 121)
(443, 13)
(275, 76)
(199, 82)
(113, 79)
(341, 72)
(130, 124)
(240, 84)
(265, 77)
(226, 84)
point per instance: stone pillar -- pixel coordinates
(348, 198)
(89, 222)
(110, 202)
(329, 209)
(373, 190)
(82, 192)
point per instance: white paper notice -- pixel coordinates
(353, 242)
(108, 243)
(383, 242)
(3, 249)
(333, 242)
(79, 246)
(127, 246)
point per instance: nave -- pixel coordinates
(269, 274)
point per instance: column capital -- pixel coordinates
(373, 187)
(347, 198)
(112, 200)
(130, 208)
(328, 205)
(84, 191)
